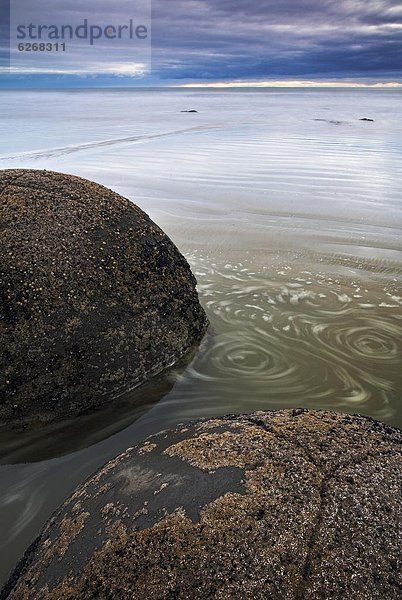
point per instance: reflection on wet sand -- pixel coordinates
(64, 437)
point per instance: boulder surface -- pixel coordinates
(284, 504)
(94, 297)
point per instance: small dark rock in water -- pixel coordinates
(281, 504)
(366, 119)
(189, 111)
(94, 297)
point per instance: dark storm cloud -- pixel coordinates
(226, 39)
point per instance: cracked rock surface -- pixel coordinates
(285, 504)
(94, 297)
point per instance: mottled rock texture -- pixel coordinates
(286, 504)
(94, 297)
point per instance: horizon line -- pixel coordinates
(290, 83)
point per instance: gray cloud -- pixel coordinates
(333, 38)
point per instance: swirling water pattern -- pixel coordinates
(299, 339)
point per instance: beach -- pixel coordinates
(288, 207)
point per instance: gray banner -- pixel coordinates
(74, 37)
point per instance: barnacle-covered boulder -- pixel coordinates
(94, 297)
(283, 504)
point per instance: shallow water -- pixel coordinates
(288, 208)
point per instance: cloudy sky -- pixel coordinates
(209, 41)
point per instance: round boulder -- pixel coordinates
(94, 297)
(283, 504)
